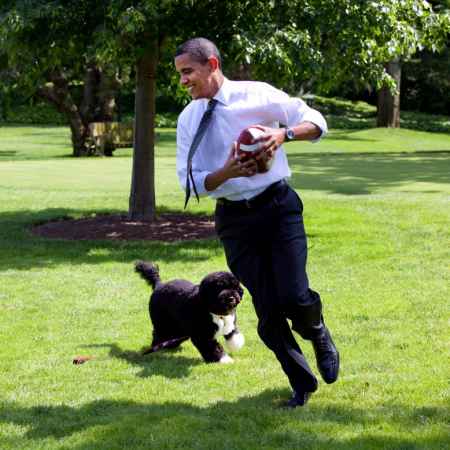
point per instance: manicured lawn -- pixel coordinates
(44, 142)
(377, 215)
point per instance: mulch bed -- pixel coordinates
(165, 227)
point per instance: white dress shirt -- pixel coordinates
(240, 104)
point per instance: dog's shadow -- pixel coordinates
(166, 362)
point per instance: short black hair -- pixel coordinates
(200, 49)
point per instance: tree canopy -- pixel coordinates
(323, 43)
(297, 44)
(50, 49)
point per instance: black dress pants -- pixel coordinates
(265, 247)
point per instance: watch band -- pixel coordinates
(289, 134)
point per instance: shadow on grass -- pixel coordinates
(164, 363)
(247, 423)
(7, 153)
(348, 136)
(22, 250)
(353, 174)
(357, 174)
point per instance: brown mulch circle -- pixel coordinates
(165, 227)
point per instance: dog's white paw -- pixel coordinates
(226, 359)
(235, 343)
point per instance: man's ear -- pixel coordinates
(213, 63)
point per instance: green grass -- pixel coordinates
(44, 142)
(377, 215)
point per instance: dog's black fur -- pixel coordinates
(180, 310)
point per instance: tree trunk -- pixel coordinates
(89, 102)
(388, 108)
(57, 93)
(98, 104)
(99, 94)
(142, 195)
(79, 135)
(108, 86)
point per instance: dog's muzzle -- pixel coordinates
(228, 299)
(234, 301)
(234, 298)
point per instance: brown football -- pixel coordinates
(247, 148)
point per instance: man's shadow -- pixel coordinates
(248, 422)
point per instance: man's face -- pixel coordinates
(195, 76)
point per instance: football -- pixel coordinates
(247, 148)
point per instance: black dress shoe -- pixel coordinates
(327, 356)
(298, 398)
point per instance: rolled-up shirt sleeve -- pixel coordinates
(184, 140)
(293, 111)
(315, 117)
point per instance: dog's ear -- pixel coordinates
(211, 286)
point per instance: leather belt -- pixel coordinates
(259, 200)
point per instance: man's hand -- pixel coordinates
(274, 137)
(234, 167)
(269, 142)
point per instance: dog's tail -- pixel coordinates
(149, 272)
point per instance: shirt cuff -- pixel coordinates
(199, 179)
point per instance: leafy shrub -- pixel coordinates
(349, 123)
(166, 120)
(340, 113)
(39, 114)
(425, 122)
(341, 107)
(347, 114)
(45, 114)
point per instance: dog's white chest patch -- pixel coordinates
(225, 324)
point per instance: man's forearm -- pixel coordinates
(306, 131)
(214, 179)
(233, 168)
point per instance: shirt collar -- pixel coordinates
(224, 93)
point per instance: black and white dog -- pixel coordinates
(180, 310)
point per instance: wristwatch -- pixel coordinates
(289, 134)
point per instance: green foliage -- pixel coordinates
(166, 120)
(340, 106)
(346, 114)
(300, 45)
(45, 114)
(41, 113)
(425, 122)
(340, 113)
(162, 120)
(294, 43)
(426, 83)
(297, 44)
(40, 36)
(409, 120)
(323, 43)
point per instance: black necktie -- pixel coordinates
(204, 122)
